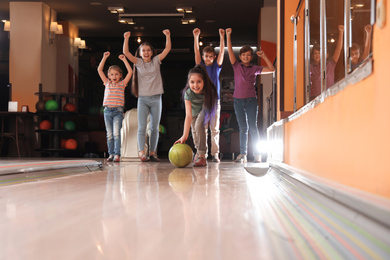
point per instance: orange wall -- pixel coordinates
(346, 139)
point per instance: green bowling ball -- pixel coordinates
(51, 105)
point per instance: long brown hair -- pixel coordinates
(134, 85)
(209, 91)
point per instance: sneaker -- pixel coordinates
(257, 159)
(117, 158)
(201, 161)
(241, 158)
(154, 158)
(143, 157)
(215, 159)
(110, 158)
(196, 156)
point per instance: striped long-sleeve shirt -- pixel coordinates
(114, 94)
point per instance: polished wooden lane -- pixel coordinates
(133, 210)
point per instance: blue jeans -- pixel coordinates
(113, 117)
(149, 105)
(246, 113)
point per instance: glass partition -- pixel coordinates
(339, 41)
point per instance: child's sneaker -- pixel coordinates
(201, 161)
(154, 158)
(241, 158)
(257, 159)
(110, 158)
(117, 158)
(215, 158)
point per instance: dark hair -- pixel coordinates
(246, 48)
(208, 49)
(134, 85)
(209, 91)
(355, 46)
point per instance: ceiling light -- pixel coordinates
(126, 20)
(184, 9)
(116, 9)
(139, 40)
(188, 21)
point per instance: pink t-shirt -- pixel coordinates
(315, 77)
(245, 80)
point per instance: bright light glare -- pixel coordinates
(263, 146)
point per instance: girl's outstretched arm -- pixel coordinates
(187, 123)
(128, 67)
(101, 66)
(126, 51)
(232, 57)
(168, 45)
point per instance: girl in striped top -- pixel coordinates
(113, 103)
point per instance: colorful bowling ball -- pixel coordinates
(40, 105)
(45, 125)
(51, 105)
(71, 144)
(180, 155)
(69, 107)
(69, 126)
(162, 129)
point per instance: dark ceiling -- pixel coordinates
(95, 21)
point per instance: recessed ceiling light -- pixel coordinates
(116, 9)
(95, 3)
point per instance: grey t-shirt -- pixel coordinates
(149, 77)
(196, 101)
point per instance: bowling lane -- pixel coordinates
(133, 210)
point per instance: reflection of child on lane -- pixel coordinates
(315, 66)
(355, 56)
(245, 97)
(200, 96)
(113, 103)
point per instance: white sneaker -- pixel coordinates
(257, 158)
(241, 158)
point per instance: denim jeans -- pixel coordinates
(246, 113)
(113, 117)
(149, 105)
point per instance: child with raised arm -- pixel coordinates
(147, 85)
(113, 103)
(315, 66)
(245, 98)
(213, 65)
(354, 52)
(200, 96)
